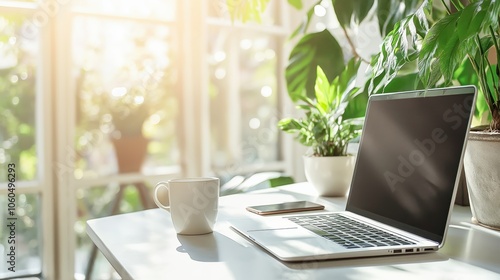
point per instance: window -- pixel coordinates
(184, 89)
(25, 192)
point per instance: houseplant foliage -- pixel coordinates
(324, 49)
(124, 108)
(320, 75)
(447, 46)
(458, 44)
(120, 111)
(126, 102)
(330, 120)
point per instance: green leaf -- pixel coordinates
(247, 10)
(352, 9)
(289, 125)
(347, 79)
(351, 101)
(297, 4)
(453, 37)
(400, 46)
(324, 97)
(440, 42)
(406, 82)
(482, 109)
(389, 12)
(313, 50)
(465, 74)
(280, 181)
(356, 108)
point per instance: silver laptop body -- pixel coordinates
(404, 184)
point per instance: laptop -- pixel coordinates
(403, 188)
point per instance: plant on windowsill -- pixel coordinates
(331, 119)
(122, 112)
(459, 44)
(129, 109)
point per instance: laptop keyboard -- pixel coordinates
(347, 232)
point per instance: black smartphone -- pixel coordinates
(285, 207)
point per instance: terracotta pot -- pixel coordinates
(330, 176)
(130, 153)
(482, 169)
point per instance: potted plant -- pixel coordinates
(120, 110)
(327, 128)
(329, 50)
(456, 42)
(129, 108)
(331, 120)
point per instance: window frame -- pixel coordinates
(56, 120)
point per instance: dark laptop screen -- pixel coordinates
(409, 157)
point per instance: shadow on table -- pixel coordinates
(205, 247)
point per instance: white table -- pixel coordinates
(144, 245)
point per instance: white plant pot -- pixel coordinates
(482, 171)
(330, 176)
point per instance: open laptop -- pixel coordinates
(403, 188)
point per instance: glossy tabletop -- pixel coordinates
(144, 245)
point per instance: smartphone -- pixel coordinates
(285, 207)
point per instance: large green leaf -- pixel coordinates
(453, 37)
(389, 12)
(399, 47)
(334, 97)
(347, 10)
(438, 47)
(466, 75)
(344, 85)
(313, 50)
(356, 108)
(350, 101)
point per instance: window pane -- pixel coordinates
(26, 235)
(158, 9)
(244, 102)
(17, 103)
(125, 96)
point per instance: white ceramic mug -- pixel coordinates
(194, 204)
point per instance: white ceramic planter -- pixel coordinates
(482, 171)
(330, 176)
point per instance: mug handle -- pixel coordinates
(155, 196)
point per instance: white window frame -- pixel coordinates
(43, 183)
(56, 119)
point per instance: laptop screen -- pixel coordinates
(409, 158)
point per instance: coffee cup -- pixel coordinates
(193, 205)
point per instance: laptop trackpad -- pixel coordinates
(287, 240)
